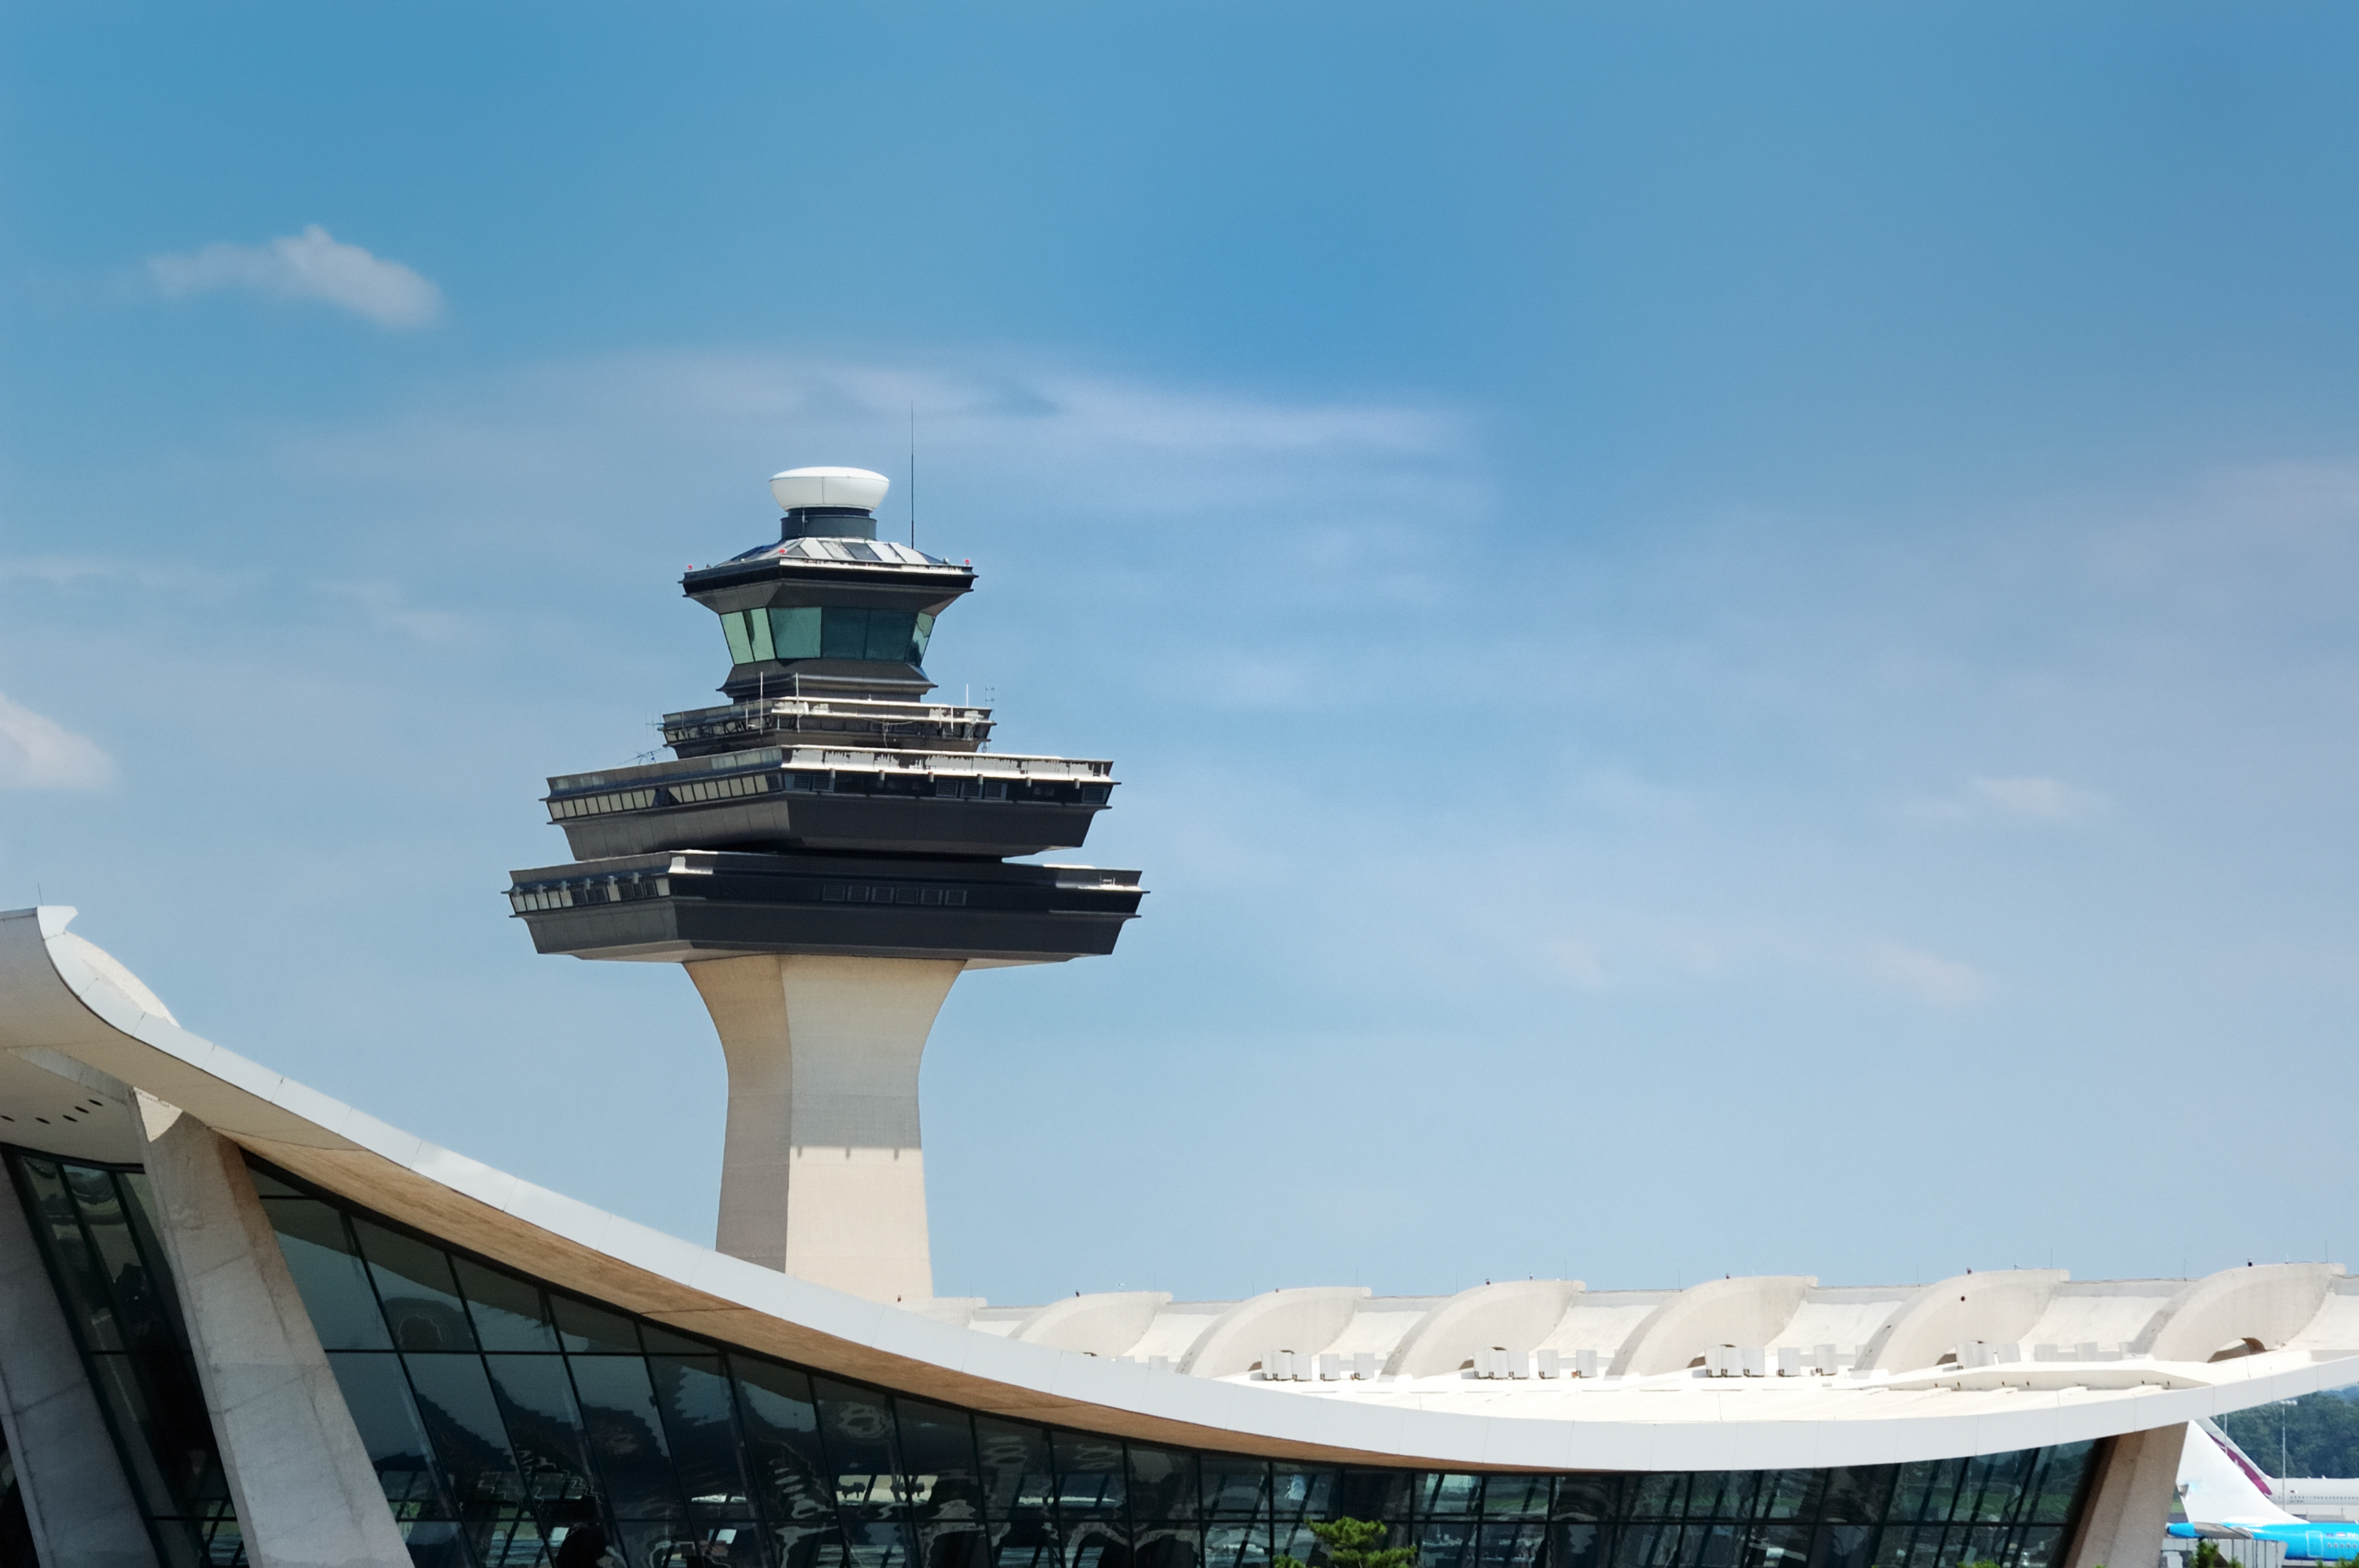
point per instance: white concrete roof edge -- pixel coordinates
(1686, 1437)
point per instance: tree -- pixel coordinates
(1354, 1544)
(2317, 1434)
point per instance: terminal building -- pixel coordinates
(240, 1321)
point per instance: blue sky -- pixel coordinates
(1729, 632)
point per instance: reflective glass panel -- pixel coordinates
(692, 1396)
(1299, 1491)
(794, 634)
(1780, 1544)
(890, 633)
(377, 1394)
(535, 1401)
(1447, 1543)
(945, 1484)
(422, 1309)
(1858, 1494)
(80, 1280)
(1162, 1483)
(509, 1313)
(1236, 1544)
(586, 1328)
(463, 1420)
(843, 634)
(627, 1438)
(2063, 1473)
(1510, 1544)
(741, 646)
(97, 1243)
(1090, 1480)
(1843, 1546)
(1235, 1486)
(1517, 1497)
(2040, 1546)
(1583, 1498)
(329, 1273)
(1574, 1545)
(16, 1527)
(1016, 1481)
(788, 1467)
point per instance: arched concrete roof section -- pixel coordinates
(2270, 1302)
(1750, 1310)
(1518, 1313)
(1997, 1308)
(1304, 1320)
(1105, 1324)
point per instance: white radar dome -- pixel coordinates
(797, 488)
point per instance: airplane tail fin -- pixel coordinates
(2219, 1486)
(2245, 1462)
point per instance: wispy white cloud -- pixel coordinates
(385, 607)
(187, 578)
(1577, 962)
(1933, 978)
(1261, 681)
(2039, 799)
(37, 752)
(639, 430)
(58, 571)
(313, 264)
(1625, 793)
(2020, 799)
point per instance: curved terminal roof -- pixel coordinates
(1974, 1365)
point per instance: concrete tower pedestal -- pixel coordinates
(824, 1175)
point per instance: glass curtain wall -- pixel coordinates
(512, 1423)
(96, 1235)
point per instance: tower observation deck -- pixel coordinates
(827, 851)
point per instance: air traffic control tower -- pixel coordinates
(828, 852)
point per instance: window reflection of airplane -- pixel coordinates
(2224, 1494)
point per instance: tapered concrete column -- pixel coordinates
(2129, 1506)
(822, 1175)
(306, 1493)
(81, 1508)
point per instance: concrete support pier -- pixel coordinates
(80, 1507)
(306, 1493)
(2129, 1501)
(823, 1176)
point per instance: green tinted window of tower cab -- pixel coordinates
(844, 634)
(836, 633)
(757, 635)
(888, 634)
(794, 634)
(741, 648)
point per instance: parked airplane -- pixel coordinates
(2224, 1493)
